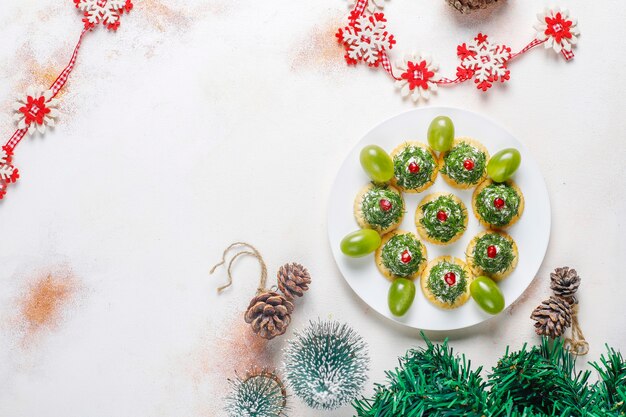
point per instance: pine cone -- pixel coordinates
(269, 313)
(293, 280)
(467, 6)
(553, 316)
(564, 282)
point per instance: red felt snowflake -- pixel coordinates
(558, 30)
(366, 39)
(484, 61)
(8, 173)
(418, 78)
(107, 12)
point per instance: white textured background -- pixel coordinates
(204, 122)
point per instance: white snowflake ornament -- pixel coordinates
(418, 78)
(36, 111)
(107, 12)
(484, 61)
(366, 39)
(557, 29)
(8, 173)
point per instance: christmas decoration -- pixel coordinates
(552, 317)
(557, 30)
(564, 282)
(293, 280)
(418, 78)
(269, 312)
(107, 12)
(8, 173)
(260, 393)
(484, 61)
(36, 110)
(367, 39)
(559, 312)
(326, 364)
(534, 381)
(468, 6)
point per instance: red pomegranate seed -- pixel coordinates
(414, 168)
(468, 164)
(385, 205)
(450, 278)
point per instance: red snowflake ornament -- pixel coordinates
(418, 78)
(484, 61)
(558, 30)
(366, 39)
(8, 173)
(106, 12)
(36, 110)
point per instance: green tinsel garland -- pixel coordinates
(539, 381)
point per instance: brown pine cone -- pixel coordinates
(552, 317)
(269, 313)
(293, 280)
(564, 282)
(467, 6)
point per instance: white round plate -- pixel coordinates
(531, 232)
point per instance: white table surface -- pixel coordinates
(204, 122)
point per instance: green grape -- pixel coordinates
(360, 243)
(503, 164)
(441, 133)
(401, 296)
(487, 294)
(377, 163)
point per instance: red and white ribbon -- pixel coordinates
(366, 39)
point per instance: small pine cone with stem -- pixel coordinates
(467, 6)
(565, 282)
(293, 280)
(552, 317)
(269, 314)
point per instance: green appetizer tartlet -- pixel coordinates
(497, 205)
(415, 167)
(441, 218)
(379, 207)
(492, 253)
(465, 164)
(446, 282)
(401, 255)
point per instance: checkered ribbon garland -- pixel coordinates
(36, 110)
(366, 39)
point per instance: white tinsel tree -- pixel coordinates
(326, 364)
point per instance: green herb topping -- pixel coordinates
(443, 227)
(382, 214)
(464, 163)
(450, 289)
(497, 204)
(503, 249)
(413, 167)
(402, 255)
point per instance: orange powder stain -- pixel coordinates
(231, 351)
(319, 50)
(162, 17)
(42, 306)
